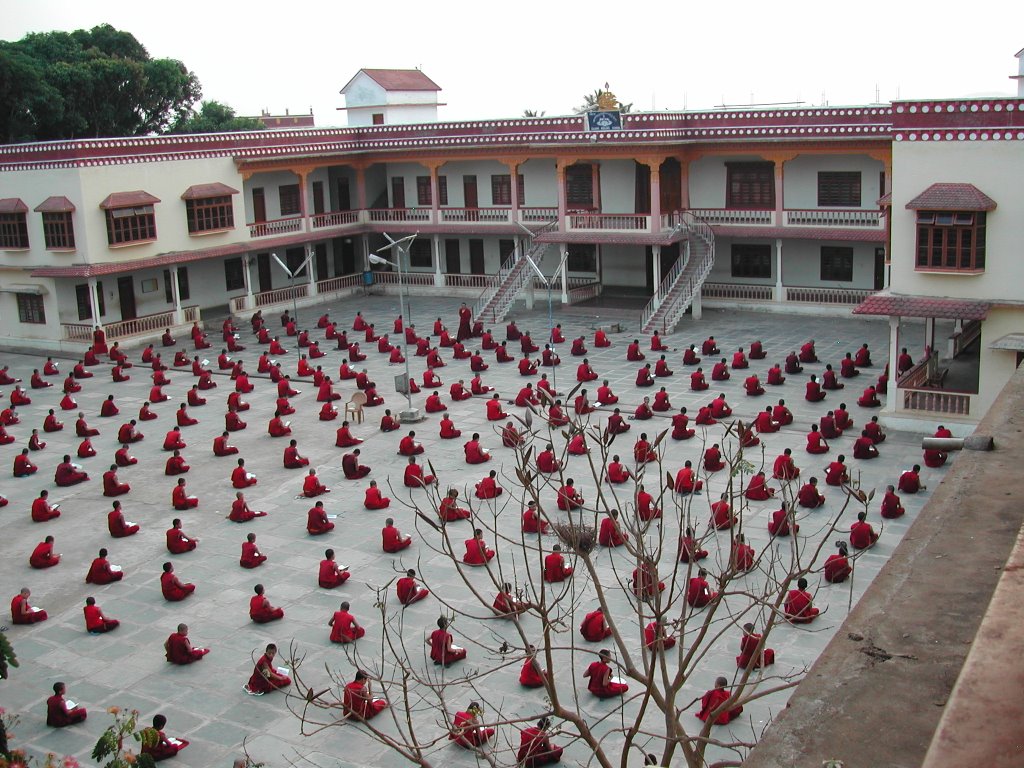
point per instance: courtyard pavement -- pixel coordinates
(205, 703)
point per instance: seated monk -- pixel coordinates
(722, 517)
(23, 612)
(555, 569)
(698, 591)
(477, 551)
(697, 381)
(891, 506)
(317, 522)
(449, 510)
(240, 511)
(864, 447)
(60, 712)
(610, 534)
(837, 566)
(459, 392)
(443, 650)
(686, 480)
(414, 477)
(779, 524)
(869, 399)
(798, 607)
(331, 574)
(720, 371)
(312, 487)
(532, 521)
(531, 675)
(785, 468)
(117, 525)
(266, 677)
(593, 627)
(494, 412)
(488, 488)
(260, 609)
(617, 472)
(601, 683)
(910, 480)
(815, 441)
(714, 700)
(758, 488)
(111, 485)
(809, 496)
(374, 499)
(836, 473)
(689, 551)
(171, 587)
(43, 555)
(713, 459)
(862, 535)
(392, 539)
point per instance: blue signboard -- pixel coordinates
(604, 121)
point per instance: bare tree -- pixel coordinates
(539, 621)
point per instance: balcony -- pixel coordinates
(608, 222)
(794, 218)
(734, 217)
(275, 227)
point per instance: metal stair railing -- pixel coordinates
(496, 298)
(676, 292)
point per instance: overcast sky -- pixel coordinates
(497, 59)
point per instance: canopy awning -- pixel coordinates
(894, 305)
(952, 197)
(13, 205)
(135, 199)
(202, 191)
(1012, 342)
(55, 204)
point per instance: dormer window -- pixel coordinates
(130, 217)
(951, 221)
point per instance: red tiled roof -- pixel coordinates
(12, 205)
(201, 191)
(885, 200)
(174, 257)
(922, 306)
(952, 197)
(398, 80)
(55, 204)
(128, 200)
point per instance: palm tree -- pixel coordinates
(601, 99)
(533, 113)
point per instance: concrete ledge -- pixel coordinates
(982, 722)
(876, 695)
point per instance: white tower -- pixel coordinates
(1019, 77)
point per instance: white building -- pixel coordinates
(390, 97)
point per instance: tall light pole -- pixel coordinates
(410, 414)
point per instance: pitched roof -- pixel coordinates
(12, 205)
(55, 204)
(128, 200)
(895, 305)
(397, 80)
(201, 191)
(952, 197)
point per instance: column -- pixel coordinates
(360, 188)
(564, 265)
(560, 166)
(364, 241)
(513, 170)
(313, 276)
(779, 196)
(696, 308)
(655, 167)
(893, 400)
(684, 183)
(179, 318)
(929, 334)
(94, 303)
(656, 262)
(530, 295)
(435, 194)
(436, 243)
(307, 223)
(595, 185)
(780, 291)
(250, 300)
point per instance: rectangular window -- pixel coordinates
(582, 257)
(949, 240)
(234, 274)
(501, 188)
(210, 214)
(13, 231)
(288, 194)
(420, 254)
(752, 261)
(82, 297)
(579, 186)
(423, 196)
(58, 231)
(750, 186)
(836, 264)
(131, 225)
(839, 189)
(378, 118)
(30, 308)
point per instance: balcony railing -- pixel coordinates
(399, 215)
(936, 401)
(738, 292)
(537, 215)
(614, 222)
(335, 219)
(477, 282)
(850, 219)
(275, 227)
(733, 216)
(814, 295)
(476, 215)
(343, 283)
(278, 295)
(137, 326)
(409, 278)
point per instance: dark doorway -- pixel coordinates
(452, 257)
(259, 205)
(397, 192)
(263, 272)
(879, 268)
(344, 198)
(469, 192)
(669, 257)
(293, 258)
(126, 297)
(318, 197)
(505, 249)
(671, 186)
(476, 257)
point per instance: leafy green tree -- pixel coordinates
(215, 117)
(89, 83)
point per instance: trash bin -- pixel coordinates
(368, 278)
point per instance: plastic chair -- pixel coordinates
(354, 407)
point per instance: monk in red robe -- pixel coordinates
(317, 522)
(392, 539)
(102, 572)
(173, 589)
(265, 676)
(251, 555)
(60, 712)
(260, 609)
(601, 682)
(714, 700)
(798, 607)
(344, 627)
(331, 574)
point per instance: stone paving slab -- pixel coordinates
(205, 703)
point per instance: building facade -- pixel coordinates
(791, 206)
